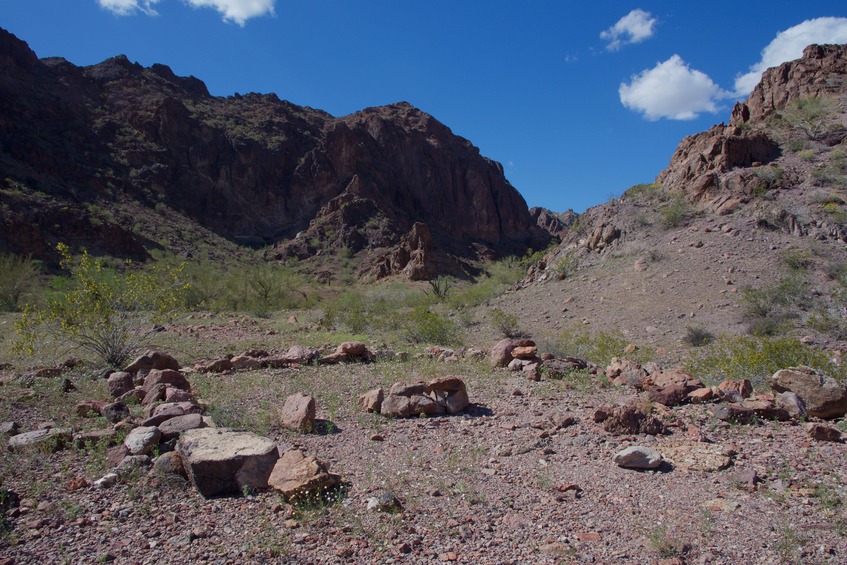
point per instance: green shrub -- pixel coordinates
(440, 286)
(420, 325)
(675, 213)
(18, 276)
(598, 348)
(767, 310)
(796, 259)
(506, 324)
(747, 357)
(107, 314)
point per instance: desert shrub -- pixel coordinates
(754, 358)
(18, 276)
(697, 336)
(107, 314)
(566, 266)
(263, 288)
(812, 117)
(806, 154)
(675, 213)
(440, 286)
(767, 310)
(796, 259)
(498, 277)
(504, 323)
(598, 348)
(421, 325)
(645, 192)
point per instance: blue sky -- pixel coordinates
(578, 101)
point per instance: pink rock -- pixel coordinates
(298, 413)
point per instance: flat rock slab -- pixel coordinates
(637, 457)
(180, 424)
(55, 438)
(223, 461)
(696, 455)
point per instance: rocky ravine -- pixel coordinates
(253, 168)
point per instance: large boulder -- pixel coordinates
(152, 360)
(823, 396)
(298, 413)
(221, 461)
(167, 377)
(119, 383)
(628, 419)
(298, 477)
(501, 354)
(439, 396)
(142, 440)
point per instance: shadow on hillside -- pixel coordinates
(476, 410)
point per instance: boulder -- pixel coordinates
(298, 477)
(88, 408)
(52, 438)
(627, 373)
(298, 413)
(174, 427)
(244, 362)
(142, 440)
(169, 463)
(792, 404)
(821, 432)
(167, 377)
(734, 412)
(525, 352)
(627, 419)
(637, 457)
(214, 366)
(163, 412)
(701, 395)
(670, 395)
(152, 360)
(349, 351)
(301, 354)
(119, 383)
(561, 368)
(396, 406)
(450, 392)
(371, 401)
(115, 412)
(221, 461)
(438, 396)
(823, 396)
(501, 354)
(743, 388)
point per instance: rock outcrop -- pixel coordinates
(254, 169)
(822, 70)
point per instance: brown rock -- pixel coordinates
(169, 463)
(116, 454)
(821, 432)
(115, 412)
(701, 395)
(88, 408)
(220, 461)
(297, 476)
(824, 396)
(742, 388)
(525, 352)
(501, 354)
(696, 455)
(153, 360)
(792, 404)
(119, 383)
(214, 366)
(163, 412)
(298, 413)
(243, 362)
(167, 377)
(670, 395)
(371, 401)
(627, 373)
(396, 406)
(620, 420)
(174, 427)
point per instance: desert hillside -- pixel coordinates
(664, 385)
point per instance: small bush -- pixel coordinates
(796, 259)
(767, 310)
(107, 314)
(598, 348)
(697, 336)
(753, 358)
(421, 325)
(675, 213)
(18, 276)
(506, 324)
(440, 287)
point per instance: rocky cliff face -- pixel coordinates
(254, 169)
(821, 71)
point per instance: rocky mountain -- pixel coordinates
(744, 231)
(83, 149)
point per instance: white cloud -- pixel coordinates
(671, 90)
(634, 27)
(789, 44)
(238, 11)
(127, 7)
